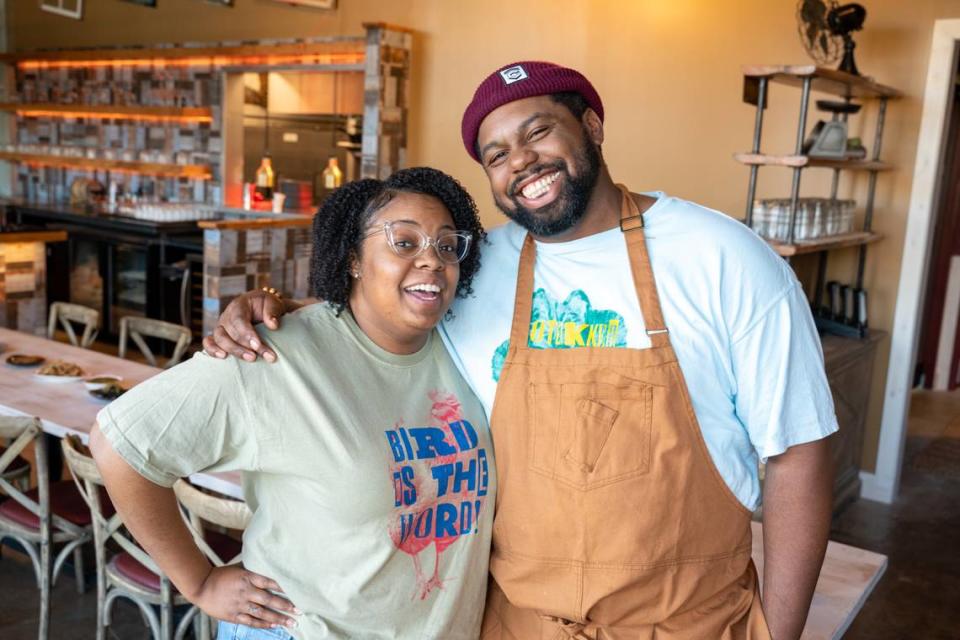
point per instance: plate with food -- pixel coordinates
(98, 382)
(109, 391)
(59, 371)
(24, 360)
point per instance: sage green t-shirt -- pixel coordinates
(370, 475)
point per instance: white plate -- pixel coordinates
(99, 385)
(56, 379)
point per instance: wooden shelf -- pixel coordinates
(256, 223)
(838, 83)
(194, 114)
(828, 243)
(797, 162)
(335, 50)
(32, 236)
(193, 171)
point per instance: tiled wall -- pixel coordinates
(23, 286)
(171, 142)
(385, 102)
(235, 261)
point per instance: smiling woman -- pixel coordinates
(396, 252)
(402, 288)
(367, 453)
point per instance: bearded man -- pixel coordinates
(638, 355)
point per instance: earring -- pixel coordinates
(356, 274)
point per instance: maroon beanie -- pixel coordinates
(517, 81)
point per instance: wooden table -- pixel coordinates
(66, 407)
(848, 576)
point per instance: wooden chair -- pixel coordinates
(136, 328)
(66, 313)
(40, 518)
(131, 573)
(17, 472)
(220, 549)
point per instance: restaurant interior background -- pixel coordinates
(670, 77)
(669, 74)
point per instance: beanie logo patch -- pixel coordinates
(513, 74)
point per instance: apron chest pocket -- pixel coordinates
(591, 435)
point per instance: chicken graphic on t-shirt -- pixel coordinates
(440, 475)
(569, 324)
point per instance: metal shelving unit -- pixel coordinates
(757, 81)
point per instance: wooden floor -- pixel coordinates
(918, 597)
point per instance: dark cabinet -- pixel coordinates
(121, 266)
(849, 364)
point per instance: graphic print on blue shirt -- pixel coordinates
(441, 477)
(567, 325)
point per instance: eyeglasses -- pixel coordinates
(409, 241)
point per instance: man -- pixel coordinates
(637, 354)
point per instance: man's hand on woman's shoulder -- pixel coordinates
(235, 334)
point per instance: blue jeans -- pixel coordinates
(231, 631)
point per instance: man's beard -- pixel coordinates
(570, 205)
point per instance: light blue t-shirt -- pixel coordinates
(739, 322)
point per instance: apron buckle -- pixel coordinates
(631, 223)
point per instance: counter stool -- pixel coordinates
(66, 313)
(220, 549)
(131, 573)
(53, 513)
(136, 328)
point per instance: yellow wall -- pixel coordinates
(668, 70)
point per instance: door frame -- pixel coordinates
(884, 483)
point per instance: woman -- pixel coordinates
(368, 478)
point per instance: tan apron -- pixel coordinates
(611, 520)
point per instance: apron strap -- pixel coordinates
(631, 224)
(523, 303)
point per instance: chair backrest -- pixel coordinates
(135, 328)
(81, 463)
(24, 431)
(66, 313)
(202, 507)
(88, 479)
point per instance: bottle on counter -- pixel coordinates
(332, 175)
(247, 195)
(265, 180)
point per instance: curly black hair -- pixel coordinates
(573, 101)
(343, 218)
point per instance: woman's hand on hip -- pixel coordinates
(233, 594)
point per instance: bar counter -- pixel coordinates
(63, 215)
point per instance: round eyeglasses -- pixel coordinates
(408, 241)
